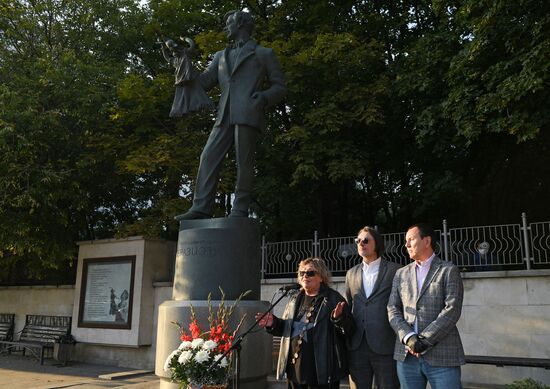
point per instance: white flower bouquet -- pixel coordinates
(191, 364)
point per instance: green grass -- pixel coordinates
(527, 383)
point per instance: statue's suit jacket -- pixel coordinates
(437, 307)
(371, 314)
(254, 65)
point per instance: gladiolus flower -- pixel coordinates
(195, 329)
(184, 337)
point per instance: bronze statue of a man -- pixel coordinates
(241, 71)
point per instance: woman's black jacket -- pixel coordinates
(328, 336)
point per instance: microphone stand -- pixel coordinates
(236, 345)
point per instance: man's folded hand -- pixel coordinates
(417, 343)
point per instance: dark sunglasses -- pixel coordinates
(309, 273)
(363, 241)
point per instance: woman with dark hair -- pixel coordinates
(313, 327)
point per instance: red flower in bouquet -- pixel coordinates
(220, 334)
(194, 329)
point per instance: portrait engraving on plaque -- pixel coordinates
(107, 292)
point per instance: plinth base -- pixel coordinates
(212, 253)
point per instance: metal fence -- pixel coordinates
(480, 248)
(540, 242)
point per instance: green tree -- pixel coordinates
(59, 64)
(397, 111)
(499, 80)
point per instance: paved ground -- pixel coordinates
(22, 372)
(18, 372)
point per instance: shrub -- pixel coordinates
(527, 383)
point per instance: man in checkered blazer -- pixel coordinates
(424, 306)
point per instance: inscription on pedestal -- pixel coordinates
(217, 253)
(198, 248)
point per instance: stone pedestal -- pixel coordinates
(214, 253)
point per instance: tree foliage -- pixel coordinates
(59, 63)
(397, 111)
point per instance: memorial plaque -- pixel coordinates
(106, 294)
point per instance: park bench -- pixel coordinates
(508, 361)
(6, 326)
(39, 334)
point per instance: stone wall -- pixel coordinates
(504, 314)
(36, 300)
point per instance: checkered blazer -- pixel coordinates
(437, 308)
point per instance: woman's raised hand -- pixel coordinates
(266, 321)
(338, 310)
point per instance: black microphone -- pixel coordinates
(287, 288)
